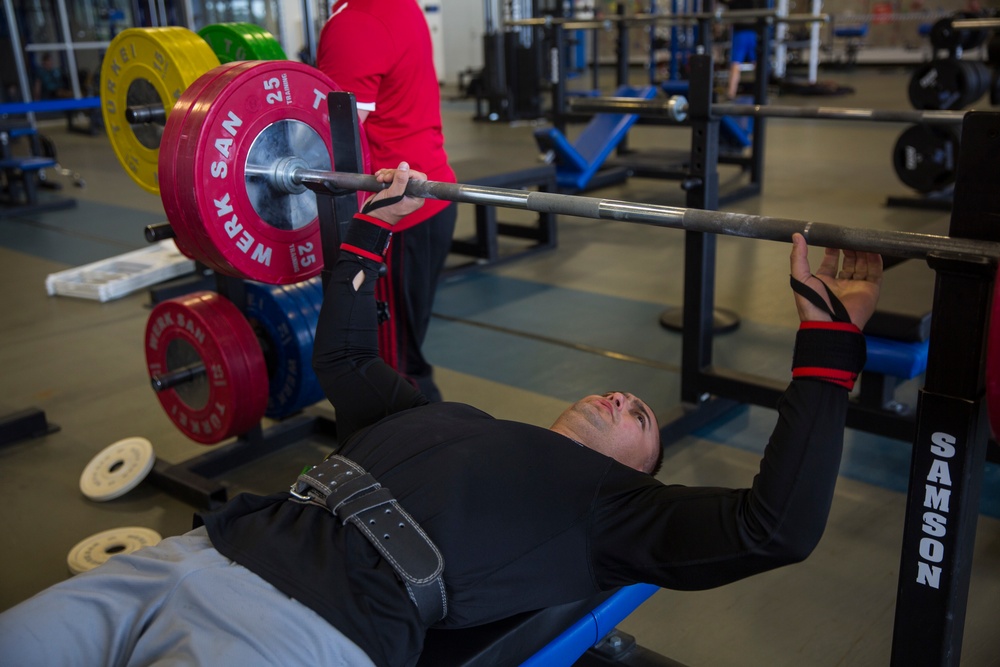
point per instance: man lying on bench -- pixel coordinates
(436, 514)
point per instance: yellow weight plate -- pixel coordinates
(147, 66)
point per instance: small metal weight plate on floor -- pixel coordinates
(147, 66)
(98, 548)
(117, 469)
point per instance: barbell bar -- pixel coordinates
(732, 16)
(675, 109)
(899, 244)
(240, 187)
(976, 24)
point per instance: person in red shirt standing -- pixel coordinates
(381, 51)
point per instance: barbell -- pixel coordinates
(924, 155)
(718, 16)
(676, 109)
(241, 160)
(245, 161)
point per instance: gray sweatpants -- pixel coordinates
(180, 602)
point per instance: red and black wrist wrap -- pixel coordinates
(829, 351)
(367, 237)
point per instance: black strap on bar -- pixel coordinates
(837, 314)
(353, 495)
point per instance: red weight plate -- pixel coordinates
(171, 158)
(184, 169)
(166, 160)
(230, 397)
(993, 362)
(271, 111)
(279, 99)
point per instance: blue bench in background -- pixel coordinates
(578, 162)
(734, 133)
(898, 334)
(20, 178)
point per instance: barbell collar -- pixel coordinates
(146, 113)
(159, 231)
(176, 377)
(894, 243)
(676, 109)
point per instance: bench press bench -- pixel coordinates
(898, 334)
(545, 638)
(484, 246)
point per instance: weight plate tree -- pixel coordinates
(146, 67)
(206, 366)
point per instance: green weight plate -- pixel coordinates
(232, 42)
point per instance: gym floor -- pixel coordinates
(521, 340)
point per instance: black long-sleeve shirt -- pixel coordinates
(525, 517)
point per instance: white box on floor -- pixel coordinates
(116, 277)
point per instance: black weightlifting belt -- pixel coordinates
(353, 495)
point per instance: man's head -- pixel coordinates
(615, 424)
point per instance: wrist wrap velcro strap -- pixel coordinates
(346, 490)
(829, 351)
(367, 237)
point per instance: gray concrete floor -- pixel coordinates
(83, 363)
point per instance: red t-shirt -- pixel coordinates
(381, 51)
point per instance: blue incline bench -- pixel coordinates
(577, 162)
(551, 637)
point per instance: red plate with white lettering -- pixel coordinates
(230, 395)
(187, 232)
(240, 129)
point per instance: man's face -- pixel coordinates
(616, 424)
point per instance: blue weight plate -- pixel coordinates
(310, 390)
(314, 289)
(287, 342)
